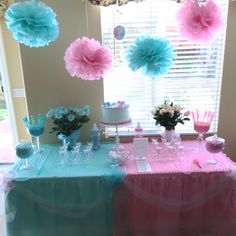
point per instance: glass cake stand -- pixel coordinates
(118, 153)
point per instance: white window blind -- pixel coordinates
(193, 81)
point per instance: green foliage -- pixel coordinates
(66, 120)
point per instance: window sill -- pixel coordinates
(127, 136)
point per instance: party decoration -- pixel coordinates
(119, 32)
(35, 127)
(35, 124)
(200, 22)
(202, 122)
(87, 59)
(32, 23)
(110, 2)
(153, 55)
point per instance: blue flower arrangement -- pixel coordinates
(32, 23)
(66, 120)
(154, 56)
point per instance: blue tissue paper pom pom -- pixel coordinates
(153, 55)
(32, 23)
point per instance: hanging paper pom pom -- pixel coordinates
(87, 59)
(119, 32)
(32, 23)
(199, 22)
(154, 56)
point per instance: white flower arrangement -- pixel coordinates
(169, 115)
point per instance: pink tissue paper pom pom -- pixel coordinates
(200, 23)
(87, 59)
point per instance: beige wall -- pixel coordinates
(47, 83)
(227, 118)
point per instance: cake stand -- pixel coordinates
(118, 152)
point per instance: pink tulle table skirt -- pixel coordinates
(177, 198)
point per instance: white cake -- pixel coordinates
(115, 113)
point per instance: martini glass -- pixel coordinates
(202, 123)
(24, 150)
(35, 129)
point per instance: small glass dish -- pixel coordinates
(119, 157)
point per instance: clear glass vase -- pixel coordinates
(169, 135)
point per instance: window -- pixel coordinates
(7, 121)
(193, 81)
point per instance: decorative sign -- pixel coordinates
(143, 166)
(140, 147)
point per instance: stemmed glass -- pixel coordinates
(214, 145)
(157, 149)
(179, 148)
(24, 150)
(202, 123)
(87, 151)
(35, 129)
(168, 148)
(63, 151)
(76, 153)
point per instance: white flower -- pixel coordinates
(177, 107)
(153, 111)
(171, 113)
(164, 110)
(164, 106)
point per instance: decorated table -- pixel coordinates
(179, 197)
(54, 199)
(93, 197)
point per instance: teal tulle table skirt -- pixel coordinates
(63, 200)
